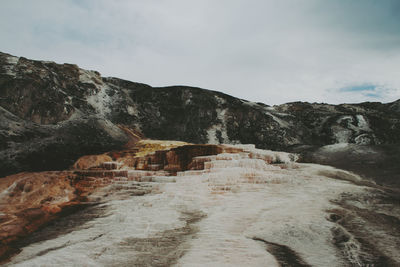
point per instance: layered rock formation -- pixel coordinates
(51, 114)
(28, 201)
(197, 205)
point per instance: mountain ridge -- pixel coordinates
(52, 114)
(50, 109)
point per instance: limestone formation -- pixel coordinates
(46, 195)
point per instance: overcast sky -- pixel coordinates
(270, 51)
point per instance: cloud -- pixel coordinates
(264, 51)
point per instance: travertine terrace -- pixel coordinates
(214, 205)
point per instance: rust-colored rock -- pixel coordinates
(30, 200)
(90, 161)
(178, 158)
(52, 209)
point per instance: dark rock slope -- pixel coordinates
(50, 114)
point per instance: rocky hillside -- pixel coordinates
(51, 114)
(123, 199)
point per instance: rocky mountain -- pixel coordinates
(51, 114)
(88, 183)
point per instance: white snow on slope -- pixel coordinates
(212, 134)
(99, 100)
(10, 67)
(220, 127)
(362, 123)
(240, 197)
(282, 123)
(349, 126)
(341, 134)
(220, 100)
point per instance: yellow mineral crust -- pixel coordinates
(148, 146)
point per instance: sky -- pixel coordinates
(270, 51)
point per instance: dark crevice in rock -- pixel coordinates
(44, 252)
(283, 254)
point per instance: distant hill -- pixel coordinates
(50, 114)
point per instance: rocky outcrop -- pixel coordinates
(89, 161)
(29, 201)
(51, 114)
(208, 205)
(176, 159)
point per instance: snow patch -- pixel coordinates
(281, 122)
(363, 139)
(341, 134)
(220, 100)
(357, 123)
(132, 110)
(335, 147)
(88, 76)
(250, 103)
(12, 60)
(345, 118)
(9, 67)
(100, 100)
(212, 132)
(349, 126)
(362, 123)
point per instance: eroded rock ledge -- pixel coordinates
(171, 202)
(30, 200)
